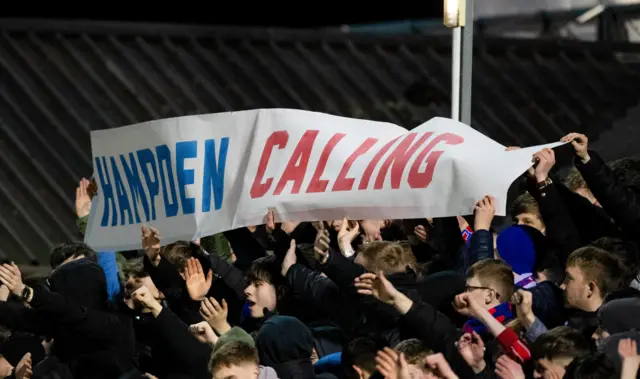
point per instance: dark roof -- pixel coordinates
(59, 80)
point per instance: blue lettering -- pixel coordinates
(164, 161)
(185, 150)
(107, 192)
(135, 186)
(214, 173)
(121, 192)
(146, 160)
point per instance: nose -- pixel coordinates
(248, 291)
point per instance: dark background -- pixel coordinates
(238, 13)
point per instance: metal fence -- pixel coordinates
(60, 80)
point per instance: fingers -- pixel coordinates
(292, 246)
(402, 362)
(367, 276)
(386, 362)
(197, 267)
(477, 339)
(421, 232)
(271, 219)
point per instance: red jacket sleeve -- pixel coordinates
(515, 348)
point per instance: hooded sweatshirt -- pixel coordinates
(285, 344)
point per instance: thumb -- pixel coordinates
(224, 305)
(210, 276)
(402, 362)
(343, 226)
(292, 245)
(385, 282)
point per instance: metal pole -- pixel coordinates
(467, 63)
(455, 73)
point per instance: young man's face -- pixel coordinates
(576, 288)
(531, 219)
(483, 295)
(242, 371)
(545, 368)
(260, 295)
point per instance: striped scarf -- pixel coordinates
(502, 313)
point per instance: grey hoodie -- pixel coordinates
(267, 373)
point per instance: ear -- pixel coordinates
(488, 297)
(592, 289)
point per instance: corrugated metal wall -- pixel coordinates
(60, 80)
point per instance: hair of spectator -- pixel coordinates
(493, 273)
(233, 353)
(560, 342)
(598, 266)
(62, 252)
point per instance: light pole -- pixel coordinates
(458, 15)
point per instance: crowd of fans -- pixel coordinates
(554, 295)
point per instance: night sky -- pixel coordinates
(306, 14)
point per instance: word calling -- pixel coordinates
(297, 167)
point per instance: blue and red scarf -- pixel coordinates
(502, 313)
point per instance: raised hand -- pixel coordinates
(523, 300)
(545, 160)
(421, 232)
(484, 212)
(151, 244)
(271, 225)
(439, 364)
(507, 368)
(24, 369)
(144, 297)
(348, 232)
(466, 305)
(289, 259)
(203, 332)
(377, 286)
(628, 350)
(83, 200)
(197, 285)
(580, 144)
(392, 365)
(471, 348)
(321, 244)
(215, 314)
(11, 277)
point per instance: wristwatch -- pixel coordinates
(27, 294)
(544, 184)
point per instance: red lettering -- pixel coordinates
(295, 170)
(419, 179)
(397, 160)
(343, 183)
(364, 183)
(317, 184)
(276, 139)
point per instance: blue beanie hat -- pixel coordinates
(516, 247)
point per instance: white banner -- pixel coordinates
(195, 176)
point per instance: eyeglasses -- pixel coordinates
(473, 288)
